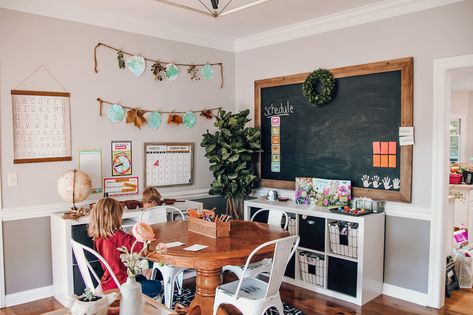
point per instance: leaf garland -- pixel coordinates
(136, 116)
(158, 66)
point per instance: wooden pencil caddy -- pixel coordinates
(207, 228)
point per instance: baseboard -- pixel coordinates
(406, 294)
(28, 296)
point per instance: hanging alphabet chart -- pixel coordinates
(41, 126)
(168, 164)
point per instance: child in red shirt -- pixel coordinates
(105, 230)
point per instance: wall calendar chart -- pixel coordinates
(41, 126)
(168, 164)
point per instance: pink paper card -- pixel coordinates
(376, 148)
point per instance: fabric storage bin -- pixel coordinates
(312, 267)
(344, 238)
(312, 232)
(342, 275)
(291, 227)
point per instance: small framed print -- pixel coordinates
(121, 158)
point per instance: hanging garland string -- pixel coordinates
(157, 62)
(135, 115)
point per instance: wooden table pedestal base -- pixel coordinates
(206, 283)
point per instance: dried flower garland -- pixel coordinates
(323, 80)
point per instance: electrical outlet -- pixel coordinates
(12, 180)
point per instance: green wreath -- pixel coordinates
(323, 78)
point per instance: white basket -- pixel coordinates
(350, 249)
(291, 227)
(312, 267)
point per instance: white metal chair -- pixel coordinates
(171, 274)
(263, 266)
(254, 296)
(86, 269)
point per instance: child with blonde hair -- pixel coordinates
(105, 230)
(151, 197)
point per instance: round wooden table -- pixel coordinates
(244, 237)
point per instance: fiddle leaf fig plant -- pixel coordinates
(231, 151)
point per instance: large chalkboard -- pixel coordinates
(335, 141)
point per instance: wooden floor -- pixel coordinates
(311, 303)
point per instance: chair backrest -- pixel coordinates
(155, 215)
(283, 251)
(274, 217)
(86, 269)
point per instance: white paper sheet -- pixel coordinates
(173, 244)
(90, 162)
(195, 247)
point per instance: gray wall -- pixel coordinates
(406, 253)
(27, 252)
(426, 35)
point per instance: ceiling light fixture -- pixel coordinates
(212, 9)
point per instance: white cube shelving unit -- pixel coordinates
(353, 279)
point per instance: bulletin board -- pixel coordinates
(118, 186)
(169, 164)
(41, 126)
(354, 137)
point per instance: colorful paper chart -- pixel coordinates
(121, 186)
(275, 145)
(121, 158)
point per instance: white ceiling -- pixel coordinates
(267, 22)
(462, 79)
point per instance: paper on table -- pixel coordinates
(195, 247)
(173, 244)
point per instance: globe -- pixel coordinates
(74, 186)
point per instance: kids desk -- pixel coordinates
(317, 267)
(66, 275)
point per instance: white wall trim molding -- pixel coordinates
(440, 161)
(407, 211)
(28, 295)
(362, 15)
(30, 212)
(406, 294)
(357, 16)
(65, 11)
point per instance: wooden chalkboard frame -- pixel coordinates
(405, 65)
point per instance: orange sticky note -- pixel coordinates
(392, 147)
(376, 160)
(275, 139)
(384, 161)
(376, 148)
(392, 161)
(384, 148)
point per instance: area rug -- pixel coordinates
(188, 294)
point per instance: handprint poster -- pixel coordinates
(385, 183)
(322, 192)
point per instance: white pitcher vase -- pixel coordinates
(131, 302)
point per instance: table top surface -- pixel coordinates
(244, 237)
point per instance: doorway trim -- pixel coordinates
(440, 161)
